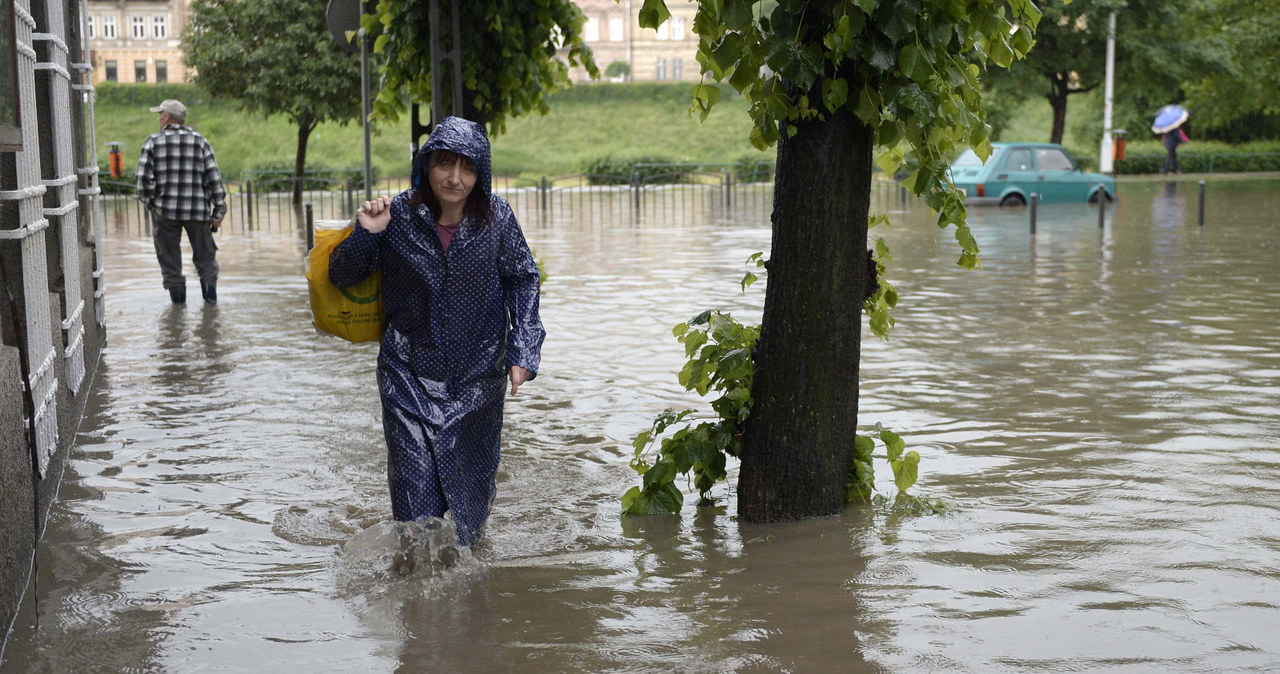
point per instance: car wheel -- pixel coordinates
(1013, 200)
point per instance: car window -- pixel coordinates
(1019, 160)
(1052, 159)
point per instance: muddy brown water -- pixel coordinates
(1100, 407)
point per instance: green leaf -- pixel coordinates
(893, 444)
(914, 63)
(834, 93)
(747, 280)
(1022, 41)
(906, 471)
(863, 447)
(654, 13)
(868, 109)
(642, 441)
(679, 329)
(736, 15)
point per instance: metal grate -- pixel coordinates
(30, 236)
(63, 214)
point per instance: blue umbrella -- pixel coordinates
(1169, 118)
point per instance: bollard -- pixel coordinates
(1102, 207)
(1035, 199)
(1202, 203)
(311, 228)
(543, 189)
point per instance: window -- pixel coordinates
(591, 31)
(615, 29)
(162, 72)
(160, 26)
(109, 27)
(1050, 159)
(677, 68)
(677, 28)
(93, 27)
(1019, 160)
(139, 71)
(664, 31)
(660, 69)
(112, 74)
(138, 27)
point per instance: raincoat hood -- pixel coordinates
(463, 137)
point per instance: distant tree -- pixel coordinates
(509, 56)
(617, 69)
(1155, 50)
(274, 57)
(1244, 34)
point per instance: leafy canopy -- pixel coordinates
(907, 68)
(509, 63)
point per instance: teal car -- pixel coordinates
(1015, 171)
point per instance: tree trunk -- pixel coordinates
(798, 442)
(305, 127)
(1060, 91)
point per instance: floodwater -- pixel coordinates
(1100, 407)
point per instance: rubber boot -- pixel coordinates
(178, 294)
(209, 289)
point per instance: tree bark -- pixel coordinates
(305, 127)
(1060, 88)
(798, 442)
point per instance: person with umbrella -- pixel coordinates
(1168, 122)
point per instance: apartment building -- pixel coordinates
(613, 32)
(136, 40)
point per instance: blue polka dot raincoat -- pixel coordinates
(453, 324)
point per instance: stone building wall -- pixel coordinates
(51, 278)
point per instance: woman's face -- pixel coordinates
(452, 178)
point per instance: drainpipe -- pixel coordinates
(631, 66)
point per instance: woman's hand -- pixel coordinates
(375, 215)
(518, 376)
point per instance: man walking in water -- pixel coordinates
(179, 182)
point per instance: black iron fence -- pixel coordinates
(265, 201)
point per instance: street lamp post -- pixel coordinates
(1106, 161)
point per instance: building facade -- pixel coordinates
(613, 32)
(136, 41)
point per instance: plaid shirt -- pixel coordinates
(178, 175)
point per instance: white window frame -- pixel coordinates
(660, 69)
(664, 30)
(138, 27)
(92, 25)
(591, 30)
(109, 27)
(677, 68)
(615, 29)
(677, 27)
(160, 27)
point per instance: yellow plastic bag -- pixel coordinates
(355, 313)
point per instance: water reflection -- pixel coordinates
(1099, 404)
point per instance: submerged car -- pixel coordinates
(1015, 171)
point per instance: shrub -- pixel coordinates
(277, 176)
(625, 167)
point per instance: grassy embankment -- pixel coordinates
(586, 123)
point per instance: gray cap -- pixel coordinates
(173, 107)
